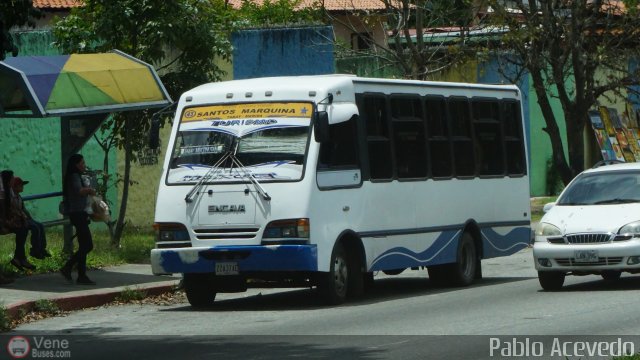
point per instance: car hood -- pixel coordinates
(592, 218)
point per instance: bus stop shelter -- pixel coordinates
(83, 90)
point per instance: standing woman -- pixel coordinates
(75, 195)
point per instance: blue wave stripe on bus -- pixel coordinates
(442, 250)
(495, 244)
(259, 258)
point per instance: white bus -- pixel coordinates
(322, 181)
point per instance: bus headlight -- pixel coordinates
(171, 232)
(290, 229)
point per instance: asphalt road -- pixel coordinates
(403, 317)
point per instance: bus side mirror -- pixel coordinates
(154, 134)
(321, 126)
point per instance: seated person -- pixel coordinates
(38, 236)
(15, 221)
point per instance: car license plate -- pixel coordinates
(227, 268)
(585, 256)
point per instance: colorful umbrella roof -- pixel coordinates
(78, 84)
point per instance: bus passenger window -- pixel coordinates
(463, 152)
(514, 144)
(374, 112)
(438, 137)
(488, 139)
(409, 137)
(341, 150)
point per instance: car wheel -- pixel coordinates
(551, 280)
(200, 289)
(333, 285)
(611, 275)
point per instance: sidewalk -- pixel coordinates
(111, 281)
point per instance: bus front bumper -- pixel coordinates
(234, 258)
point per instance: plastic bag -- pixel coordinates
(99, 209)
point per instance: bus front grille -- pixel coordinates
(226, 233)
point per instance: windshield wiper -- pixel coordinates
(252, 178)
(616, 201)
(211, 174)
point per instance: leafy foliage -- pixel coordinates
(278, 13)
(182, 39)
(577, 52)
(14, 13)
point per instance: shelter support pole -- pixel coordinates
(75, 131)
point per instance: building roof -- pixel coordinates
(57, 4)
(330, 5)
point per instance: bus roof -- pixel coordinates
(326, 83)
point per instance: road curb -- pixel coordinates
(89, 299)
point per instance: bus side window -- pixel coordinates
(341, 150)
(408, 135)
(438, 137)
(463, 152)
(514, 144)
(374, 112)
(488, 137)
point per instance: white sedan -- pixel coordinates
(593, 228)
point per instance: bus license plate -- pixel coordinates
(585, 256)
(227, 268)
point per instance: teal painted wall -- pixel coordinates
(31, 147)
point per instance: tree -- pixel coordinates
(180, 38)
(14, 13)
(575, 51)
(406, 42)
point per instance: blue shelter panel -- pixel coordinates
(278, 52)
(491, 72)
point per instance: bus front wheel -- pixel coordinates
(200, 289)
(333, 285)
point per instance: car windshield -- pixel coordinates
(601, 188)
(270, 142)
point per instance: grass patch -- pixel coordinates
(134, 249)
(128, 295)
(5, 321)
(46, 306)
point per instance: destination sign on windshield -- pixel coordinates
(244, 111)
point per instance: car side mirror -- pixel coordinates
(548, 206)
(321, 126)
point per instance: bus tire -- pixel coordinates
(199, 289)
(551, 280)
(334, 285)
(463, 271)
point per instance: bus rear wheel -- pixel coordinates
(200, 289)
(463, 271)
(334, 285)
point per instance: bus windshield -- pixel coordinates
(269, 140)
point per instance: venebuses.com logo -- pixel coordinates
(38, 347)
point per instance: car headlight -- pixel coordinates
(546, 229)
(631, 228)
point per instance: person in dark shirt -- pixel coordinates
(38, 235)
(75, 194)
